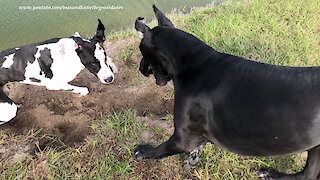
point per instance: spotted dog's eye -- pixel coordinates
(100, 48)
(111, 68)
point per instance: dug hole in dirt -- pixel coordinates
(67, 117)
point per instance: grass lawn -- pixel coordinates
(269, 31)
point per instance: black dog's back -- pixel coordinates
(259, 109)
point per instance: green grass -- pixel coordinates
(105, 155)
(124, 33)
(269, 31)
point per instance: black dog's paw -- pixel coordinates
(144, 152)
(267, 174)
(191, 160)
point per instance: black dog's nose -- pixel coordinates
(109, 79)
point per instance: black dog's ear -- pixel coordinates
(142, 29)
(162, 20)
(100, 37)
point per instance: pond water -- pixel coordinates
(28, 21)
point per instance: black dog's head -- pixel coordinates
(93, 55)
(153, 61)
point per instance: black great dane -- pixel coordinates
(242, 106)
(53, 63)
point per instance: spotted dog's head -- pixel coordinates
(93, 55)
(154, 60)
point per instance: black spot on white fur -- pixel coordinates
(35, 80)
(45, 61)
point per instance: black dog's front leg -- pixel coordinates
(189, 120)
(170, 147)
(181, 141)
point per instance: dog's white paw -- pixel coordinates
(263, 175)
(144, 151)
(192, 159)
(7, 112)
(137, 154)
(188, 167)
(267, 174)
(82, 91)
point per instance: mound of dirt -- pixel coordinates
(68, 117)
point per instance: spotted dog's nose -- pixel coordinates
(109, 79)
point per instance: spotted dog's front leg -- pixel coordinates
(75, 89)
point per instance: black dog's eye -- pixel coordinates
(100, 48)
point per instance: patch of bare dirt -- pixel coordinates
(67, 117)
(13, 151)
(149, 136)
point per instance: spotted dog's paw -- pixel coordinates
(267, 174)
(144, 152)
(84, 91)
(7, 112)
(81, 91)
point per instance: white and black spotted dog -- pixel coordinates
(53, 63)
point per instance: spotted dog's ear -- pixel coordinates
(162, 19)
(76, 34)
(78, 47)
(78, 43)
(143, 30)
(100, 37)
